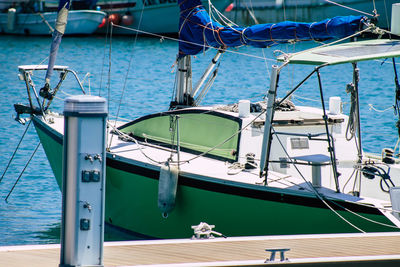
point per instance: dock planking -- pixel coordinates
(305, 250)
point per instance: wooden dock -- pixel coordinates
(377, 249)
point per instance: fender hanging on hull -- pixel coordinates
(167, 187)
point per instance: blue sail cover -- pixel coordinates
(197, 31)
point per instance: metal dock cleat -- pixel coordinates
(273, 253)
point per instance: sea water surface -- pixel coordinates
(137, 76)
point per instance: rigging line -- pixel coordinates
(317, 194)
(365, 218)
(216, 12)
(252, 9)
(15, 151)
(359, 11)
(265, 61)
(19, 177)
(198, 156)
(65, 93)
(385, 62)
(127, 71)
(381, 32)
(371, 107)
(120, 118)
(177, 40)
(109, 69)
(373, 3)
(386, 15)
(210, 22)
(288, 183)
(357, 173)
(334, 42)
(174, 89)
(173, 130)
(207, 86)
(104, 57)
(284, 9)
(224, 18)
(379, 208)
(251, 12)
(45, 21)
(397, 143)
(305, 98)
(348, 180)
(41, 15)
(351, 126)
(128, 137)
(257, 96)
(204, 92)
(226, 140)
(41, 62)
(262, 49)
(168, 112)
(209, 11)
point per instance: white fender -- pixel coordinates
(167, 187)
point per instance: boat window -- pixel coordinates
(198, 132)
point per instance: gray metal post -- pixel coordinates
(266, 144)
(82, 229)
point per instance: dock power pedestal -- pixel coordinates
(83, 188)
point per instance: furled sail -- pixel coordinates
(61, 23)
(197, 31)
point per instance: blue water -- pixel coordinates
(142, 70)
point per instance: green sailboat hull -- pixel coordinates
(236, 209)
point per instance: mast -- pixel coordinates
(184, 82)
(61, 23)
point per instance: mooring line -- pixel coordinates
(15, 151)
(22, 172)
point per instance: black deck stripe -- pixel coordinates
(261, 193)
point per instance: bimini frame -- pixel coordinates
(325, 56)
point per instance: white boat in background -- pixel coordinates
(247, 12)
(31, 22)
(154, 16)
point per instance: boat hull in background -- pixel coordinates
(154, 17)
(80, 22)
(267, 11)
